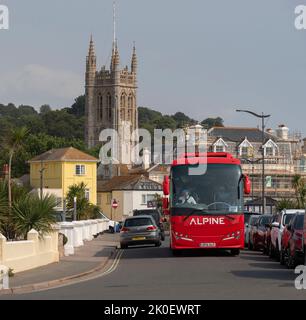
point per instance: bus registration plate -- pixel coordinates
(208, 245)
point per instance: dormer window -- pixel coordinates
(245, 149)
(270, 148)
(220, 146)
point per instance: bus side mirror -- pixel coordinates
(247, 185)
(166, 186)
(166, 210)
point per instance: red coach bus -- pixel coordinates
(206, 210)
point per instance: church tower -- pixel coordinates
(111, 95)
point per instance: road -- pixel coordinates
(153, 273)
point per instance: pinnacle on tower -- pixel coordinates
(91, 51)
(115, 57)
(91, 58)
(134, 61)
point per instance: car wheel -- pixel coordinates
(250, 247)
(270, 251)
(290, 260)
(235, 252)
(282, 257)
(277, 252)
(158, 244)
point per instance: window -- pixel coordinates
(109, 106)
(87, 194)
(106, 172)
(219, 146)
(80, 170)
(219, 149)
(130, 108)
(244, 152)
(269, 151)
(145, 198)
(100, 107)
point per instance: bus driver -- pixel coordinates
(186, 198)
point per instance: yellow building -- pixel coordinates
(56, 170)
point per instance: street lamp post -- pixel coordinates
(75, 209)
(262, 116)
(253, 162)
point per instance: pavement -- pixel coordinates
(149, 273)
(88, 259)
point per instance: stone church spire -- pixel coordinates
(91, 58)
(134, 63)
(115, 61)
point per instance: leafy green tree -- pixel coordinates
(182, 120)
(212, 122)
(26, 110)
(60, 123)
(78, 108)
(300, 190)
(146, 115)
(45, 108)
(286, 204)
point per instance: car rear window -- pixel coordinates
(155, 214)
(265, 220)
(299, 222)
(138, 222)
(287, 218)
(253, 221)
(247, 218)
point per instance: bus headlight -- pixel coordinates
(231, 236)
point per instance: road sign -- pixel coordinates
(114, 204)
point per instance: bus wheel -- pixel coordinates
(235, 252)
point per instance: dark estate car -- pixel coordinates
(292, 244)
(267, 244)
(251, 229)
(157, 216)
(259, 233)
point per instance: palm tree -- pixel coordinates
(13, 143)
(3, 207)
(300, 190)
(7, 227)
(33, 212)
(78, 191)
(286, 204)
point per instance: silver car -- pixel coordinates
(140, 230)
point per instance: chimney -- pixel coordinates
(282, 132)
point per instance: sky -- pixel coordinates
(201, 57)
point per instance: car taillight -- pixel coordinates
(151, 228)
(124, 229)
